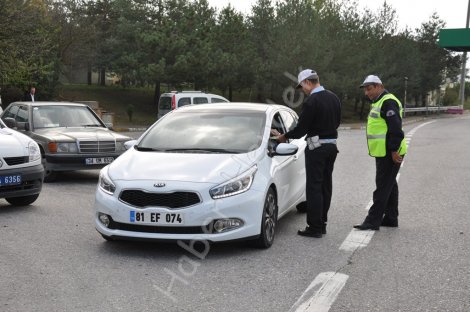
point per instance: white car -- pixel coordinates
(209, 172)
(21, 171)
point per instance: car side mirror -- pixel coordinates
(286, 149)
(10, 122)
(129, 144)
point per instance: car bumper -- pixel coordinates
(76, 162)
(31, 184)
(247, 207)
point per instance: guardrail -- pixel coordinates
(426, 109)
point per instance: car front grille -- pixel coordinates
(97, 146)
(12, 161)
(161, 229)
(174, 200)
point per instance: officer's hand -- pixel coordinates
(397, 158)
(281, 139)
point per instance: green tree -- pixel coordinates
(29, 51)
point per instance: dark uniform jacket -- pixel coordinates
(321, 115)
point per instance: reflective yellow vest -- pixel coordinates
(377, 129)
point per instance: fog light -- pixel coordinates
(223, 225)
(104, 219)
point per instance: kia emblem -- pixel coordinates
(159, 184)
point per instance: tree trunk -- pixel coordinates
(230, 93)
(88, 75)
(361, 114)
(356, 102)
(102, 77)
(156, 95)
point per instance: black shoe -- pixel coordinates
(366, 226)
(388, 223)
(309, 232)
(323, 229)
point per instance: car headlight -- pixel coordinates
(120, 147)
(34, 152)
(105, 182)
(61, 147)
(236, 186)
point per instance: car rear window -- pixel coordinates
(217, 100)
(184, 101)
(200, 100)
(165, 102)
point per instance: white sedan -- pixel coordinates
(209, 172)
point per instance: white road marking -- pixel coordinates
(356, 240)
(321, 293)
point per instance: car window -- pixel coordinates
(217, 100)
(53, 116)
(11, 112)
(289, 121)
(22, 115)
(200, 100)
(277, 124)
(184, 101)
(240, 132)
(165, 102)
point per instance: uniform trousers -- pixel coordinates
(385, 197)
(319, 164)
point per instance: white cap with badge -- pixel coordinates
(371, 79)
(306, 74)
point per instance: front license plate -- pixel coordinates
(14, 179)
(99, 161)
(156, 217)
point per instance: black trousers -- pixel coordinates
(385, 196)
(319, 164)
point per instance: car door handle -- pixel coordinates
(296, 157)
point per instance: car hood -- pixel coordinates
(79, 133)
(13, 143)
(184, 167)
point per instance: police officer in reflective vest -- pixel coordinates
(385, 140)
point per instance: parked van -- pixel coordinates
(173, 100)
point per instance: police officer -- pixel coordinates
(319, 120)
(385, 140)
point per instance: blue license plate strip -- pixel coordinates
(13, 179)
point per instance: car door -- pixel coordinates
(288, 172)
(297, 167)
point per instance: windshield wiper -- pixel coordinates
(147, 149)
(93, 125)
(210, 150)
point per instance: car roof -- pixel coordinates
(46, 103)
(231, 106)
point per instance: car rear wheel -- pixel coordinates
(108, 238)
(22, 201)
(302, 207)
(268, 221)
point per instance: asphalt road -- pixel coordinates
(52, 259)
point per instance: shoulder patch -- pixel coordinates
(390, 113)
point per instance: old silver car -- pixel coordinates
(70, 135)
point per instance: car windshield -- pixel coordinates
(54, 116)
(206, 132)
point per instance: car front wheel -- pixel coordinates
(49, 175)
(268, 221)
(22, 201)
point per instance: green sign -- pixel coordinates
(455, 39)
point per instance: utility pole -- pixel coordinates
(404, 100)
(464, 64)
